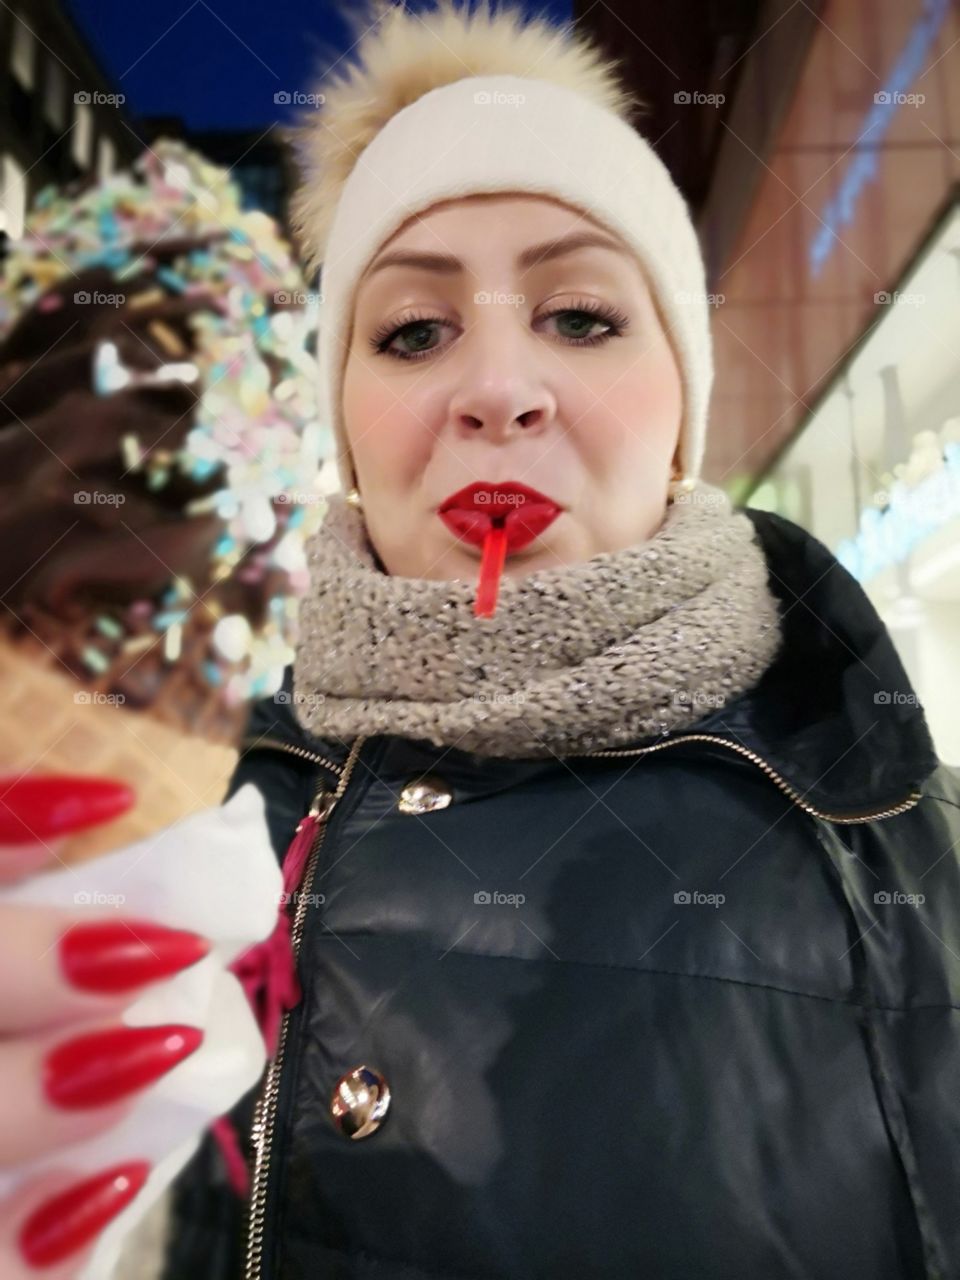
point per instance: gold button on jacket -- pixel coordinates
(361, 1099)
(425, 793)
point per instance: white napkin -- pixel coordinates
(215, 873)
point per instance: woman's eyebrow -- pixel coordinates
(532, 256)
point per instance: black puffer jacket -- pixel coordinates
(718, 1037)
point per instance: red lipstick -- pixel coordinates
(499, 518)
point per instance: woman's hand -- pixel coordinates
(69, 1067)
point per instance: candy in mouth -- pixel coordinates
(491, 568)
(472, 514)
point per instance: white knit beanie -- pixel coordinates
(439, 107)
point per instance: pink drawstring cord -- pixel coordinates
(268, 975)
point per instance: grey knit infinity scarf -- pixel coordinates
(628, 645)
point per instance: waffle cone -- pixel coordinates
(50, 724)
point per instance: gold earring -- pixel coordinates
(354, 499)
(679, 487)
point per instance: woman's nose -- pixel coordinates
(500, 391)
(499, 424)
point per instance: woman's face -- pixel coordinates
(489, 371)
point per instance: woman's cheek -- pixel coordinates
(413, 445)
(604, 435)
(648, 410)
(374, 417)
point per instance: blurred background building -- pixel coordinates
(60, 116)
(818, 143)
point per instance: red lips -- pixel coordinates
(523, 512)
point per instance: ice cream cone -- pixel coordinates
(158, 402)
(51, 724)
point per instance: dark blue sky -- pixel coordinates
(218, 63)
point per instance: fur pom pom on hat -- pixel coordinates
(509, 104)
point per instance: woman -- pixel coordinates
(628, 941)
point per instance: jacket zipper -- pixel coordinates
(868, 816)
(265, 1112)
(908, 803)
(277, 744)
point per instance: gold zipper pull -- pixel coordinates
(321, 806)
(323, 803)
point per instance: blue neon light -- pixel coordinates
(840, 209)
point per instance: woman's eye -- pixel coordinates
(578, 323)
(416, 334)
(419, 338)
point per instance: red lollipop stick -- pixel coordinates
(491, 567)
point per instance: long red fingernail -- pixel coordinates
(67, 1221)
(109, 956)
(38, 806)
(102, 1066)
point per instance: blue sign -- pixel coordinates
(840, 210)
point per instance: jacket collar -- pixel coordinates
(835, 714)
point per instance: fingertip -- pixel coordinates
(68, 1221)
(35, 807)
(18, 861)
